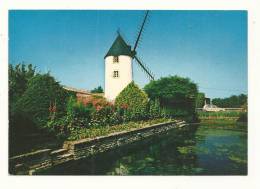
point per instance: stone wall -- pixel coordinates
(86, 147)
(73, 150)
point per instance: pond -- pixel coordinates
(210, 148)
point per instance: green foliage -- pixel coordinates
(200, 100)
(78, 114)
(30, 98)
(134, 101)
(231, 102)
(155, 110)
(58, 126)
(203, 114)
(43, 93)
(99, 89)
(95, 131)
(176, 94)
(108, 115)
(19, 76)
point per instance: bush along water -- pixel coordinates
(132, 104)
(177, 95)
(134, 101)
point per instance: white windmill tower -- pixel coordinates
(118, 65)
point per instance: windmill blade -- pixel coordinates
(145, 68)
(141, 30)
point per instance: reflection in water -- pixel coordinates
(195, 150)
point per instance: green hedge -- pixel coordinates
(134, 101)
(43, 93)
(176, 95)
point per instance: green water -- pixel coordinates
(205, 149)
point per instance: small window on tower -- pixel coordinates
(115, 74)
(115, 59)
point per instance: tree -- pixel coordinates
(200, 100)
(99, 89)
(19, 76)
(43, 96)
(178, 95)
(234, 101)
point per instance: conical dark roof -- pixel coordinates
(119, 47)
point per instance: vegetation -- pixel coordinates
(231, 102)
(34, 98)
(96, 114)
(19, 76)
(39, 104)
(176, 94)
(99, 89)
(43, 96)
(134, 101)
(93, 132)
(200, 100)
(18, 83)
(222, 114)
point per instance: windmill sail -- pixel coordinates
(141, 30)
(139, 36)
(145, 68)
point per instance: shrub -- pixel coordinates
(42, 96)
(155, 110)
(108, 115)
(78, 114)
(176, 94)
(134, 101)
(58, 126)
(98, 102)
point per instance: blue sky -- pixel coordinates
(209, 47)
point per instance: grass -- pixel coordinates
(227, 124)
(219, 115)
(93, 132)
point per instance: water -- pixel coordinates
(206, 149)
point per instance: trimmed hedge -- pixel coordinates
(134, 101)
(42, 96)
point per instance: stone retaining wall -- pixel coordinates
(73, 150)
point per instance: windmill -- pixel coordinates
(118, 64)
(142, 65)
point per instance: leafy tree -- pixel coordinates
(134, 100)
(200, 100)
(19, 76)
(155, 110)
(99, 89)
(178, 95)
(234, 101)
(43, 96)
